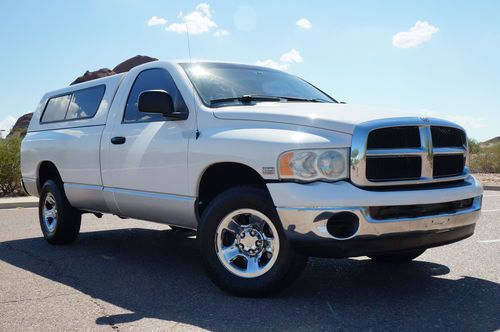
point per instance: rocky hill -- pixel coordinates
(21, 126)
(490, 142)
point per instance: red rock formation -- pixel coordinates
(21, 126)
(92, 75)
(126, 65)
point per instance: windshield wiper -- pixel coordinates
(245, 99)
(312, 100)
(249, 98)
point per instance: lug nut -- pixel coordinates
(250, 251)
(258, 243)
(242, 235)
(240, 246)
(252, 233)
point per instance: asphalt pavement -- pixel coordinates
(134, 275)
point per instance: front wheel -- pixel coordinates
(243, 246)
(398, 257)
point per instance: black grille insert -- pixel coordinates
(443, 137)
(393, 168)
(413, 211)
(448, 165)
(394, 138)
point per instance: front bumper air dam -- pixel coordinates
(301, 207)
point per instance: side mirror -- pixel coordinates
(158, 102)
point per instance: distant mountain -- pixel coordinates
(490, 142)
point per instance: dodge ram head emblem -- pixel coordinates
(425, 119)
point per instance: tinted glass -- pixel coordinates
(85, 103)
(56, 109)
(152, 79)
(221, 80)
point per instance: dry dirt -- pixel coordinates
(489, 179)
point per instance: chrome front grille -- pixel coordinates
(407, 151)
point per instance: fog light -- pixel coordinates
(343, 225)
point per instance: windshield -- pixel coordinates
(222, 84)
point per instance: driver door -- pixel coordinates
(146, 159)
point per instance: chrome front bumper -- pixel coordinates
(305, 221)
(306, 224)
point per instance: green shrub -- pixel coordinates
(10, 172)
(487, 160)
(473, 146)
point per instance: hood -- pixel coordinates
(337, 117)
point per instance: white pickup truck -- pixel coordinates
(267, 168)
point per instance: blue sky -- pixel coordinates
(362, 52)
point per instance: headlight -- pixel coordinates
(311, 165)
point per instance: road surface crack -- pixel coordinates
(103, 311)
(37, 298)
(58, 275)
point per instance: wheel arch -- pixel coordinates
(221, 176)
(47, 170)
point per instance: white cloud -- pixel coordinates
(221, 33)
(273, 64)
(6, 125)
(419, 33)
(292, 56)
(198, 21)
(155, 20)
(304, 23)
(285, 60)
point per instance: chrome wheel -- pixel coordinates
(247, 243)
(50, 213)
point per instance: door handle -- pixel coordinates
(118, 140)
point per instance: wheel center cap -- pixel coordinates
(250, 241)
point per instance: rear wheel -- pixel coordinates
(398, 257)
(59, 221)
(243, 246)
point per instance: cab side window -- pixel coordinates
(152, 79)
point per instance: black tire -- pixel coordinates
(284, 271)
(68, 220)
(398, 257)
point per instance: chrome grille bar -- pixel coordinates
(448, 151)
(427, 157)
(394, 152)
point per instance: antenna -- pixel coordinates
(192, 84)
(189, 44)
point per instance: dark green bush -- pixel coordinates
(10, 172)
